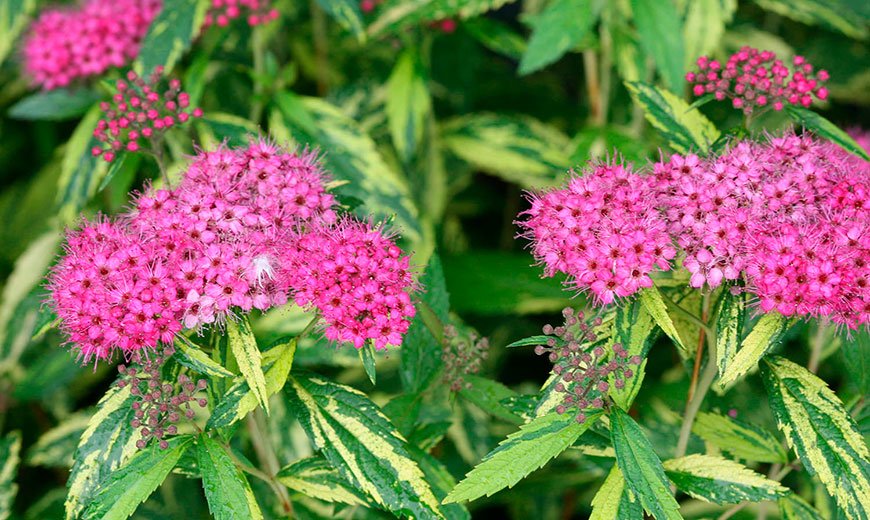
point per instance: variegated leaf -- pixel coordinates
(721, 481)
(641, 467)
(239, 400)
(171, 33)
(55, 448)
(226, 488)
(729, 328)
(822, 433)
(517, 149)
(362, 444)
(652, 301)
(395, 15)
(614, 500)
(13, 19)
(408, 104)
(243, 345)
(315, 477)
(826, 129)
(831, 14)
(685, 129)
(793, 507)
(522, 452)
(125, 488)
(10, 457)
(635, 329)
(348, 14)
(81, 172)
(107, 443)
(764, 335)
(742, 440)
(188, 354)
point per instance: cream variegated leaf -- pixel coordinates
(721, 481)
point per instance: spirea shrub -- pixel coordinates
(213, 200)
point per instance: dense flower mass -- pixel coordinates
(66, 44)
(603, 230)
(139, 112)
(356, 277)
(245, 229)
(790, 216)
(255, 12)
(463, 354)
(755, 79)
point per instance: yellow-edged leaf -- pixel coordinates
(742, 440)
(243, 345)
(684, 128)
(10, 457)
(652, 301)
(614, 501)
(763, 336)
(721, 481)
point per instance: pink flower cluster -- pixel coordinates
(139, 112)
(256, 12)
(755, 79)
(67, 44)
(246, 228)
(790, 216)
(603, 230)
(357, 278)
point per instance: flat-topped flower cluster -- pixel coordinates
(69, 43)
(789, 217)
(247, 228)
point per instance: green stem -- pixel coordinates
(321, 47)
(266, 454)
(258, 47)
(817, 345)
(687, 314)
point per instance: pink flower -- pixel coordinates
(65, 45)
(603, 230)
(356, 277)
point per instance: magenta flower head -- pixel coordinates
(228, 222)
(68, 44)
(757, 80)
(357, 278)
(114, 291)
(255, 12)
(139, 113)
(603, 230)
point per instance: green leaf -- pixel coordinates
(421, 351)
(496, 36)
(54, 105)
(170, 34)
(408, 104)
(347, 14)
(704, 27)
(633, 327)
(55, 447)
(362, 444)
(562, 25)
(508, 285)
(822, 433)
(763, 336)
(652, 301)
(488, 395)
(14, 15)
(729, 327)
(367, 356)
(641, 467)
(536, 340)
(521, 453)
(130, 485)
(226, 488)
(683, 128)
(10, 450)
(721, 481)
(614, 501)
(740, 439)
(216, 127)
(316, 478)
(518, 149)
(106, 444)
(826, 129)
(81, 172)
(243, 345)
(351, 155)
(239, 400)
(125, 165)
(396, 15)
(856, 357)
(833, 14)
(793, 507)
(190, 355)
(660, 28)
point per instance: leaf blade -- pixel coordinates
(685, 129)
(721, 481)
(226, 487)
(244, 348)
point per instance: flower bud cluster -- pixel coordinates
(756, 80)
(255, 12)
(159, 404)
(139, 113)
(67, 44)
(603, 230)
(462, 354)
(584, 364)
